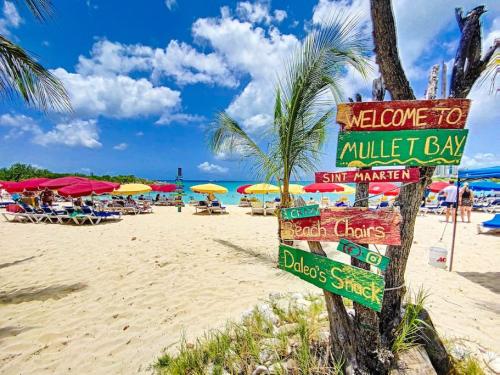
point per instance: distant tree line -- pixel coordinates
(19, 171)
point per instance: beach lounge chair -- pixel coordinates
(383, 204)
(491, 226)
(35, 215)
(56, 216)
(258, 208)
(270, 209)
(95, 217)
(202, 206)
(16, 213)
(437, 208)
(216, 206)
(325, 202)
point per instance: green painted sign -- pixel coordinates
(364, 287)
(403, 147)
(364, 254)
(300, 212)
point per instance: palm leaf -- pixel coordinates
(41, 9)
(21, 74)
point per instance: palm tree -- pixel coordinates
(20, 74)
(305, 96)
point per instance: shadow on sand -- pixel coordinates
(12, 331)
(39, 294)
(263, 258)
(490, 280)
(5, 265)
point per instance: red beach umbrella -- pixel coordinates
(164, 188)
(26, 185)
(60, 182)
(323, 187)
(437, 186)
(242, 188)
(88, 187)
(383, 187)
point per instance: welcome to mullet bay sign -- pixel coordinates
(362, 286)
(412, 133)
(358, 224)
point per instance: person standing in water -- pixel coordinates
(466, 200)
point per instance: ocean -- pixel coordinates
(232, 197)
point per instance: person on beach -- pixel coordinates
(211, 197)
(47, 197)
(450, 200)
(465, 201)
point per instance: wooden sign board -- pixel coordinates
(300, 212)
(364, 287)
(405, 147)
(403, 115)
(374, 175)
(363, 254)
(357, 224)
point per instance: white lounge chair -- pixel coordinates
(258, 208)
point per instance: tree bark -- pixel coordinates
(468, 66)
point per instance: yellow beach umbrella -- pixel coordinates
(347, 189)
(295, 189)
(132, 189)
(262, 189)
(209, 188)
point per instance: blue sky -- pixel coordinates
(146, 80)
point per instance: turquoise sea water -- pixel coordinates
(232, 197)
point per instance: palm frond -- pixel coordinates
(21, 74)
(41, 9)
(227, 136)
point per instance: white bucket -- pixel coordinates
(438, 257)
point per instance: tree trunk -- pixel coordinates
(466, 70)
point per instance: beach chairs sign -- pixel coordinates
(364, 287)
(363, 254)
(404, 132)
(364, 176)
(357, 224)
(300, 212)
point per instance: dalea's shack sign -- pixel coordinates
(405, 147)
(403, 115)
(363, 254)
(363, 176)
(300, 212)
(364, 287)
(357, 224)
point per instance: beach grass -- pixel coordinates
(285, 335)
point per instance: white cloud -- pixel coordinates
(170, 4)
(178, 60)
(139, 134)
(212, 168)
(260, 56)
(479, 160)
(180, 118)
(10, 19)
(19, 125)
(120, 146)
(73, 133)
(116, 96)
(258, 12)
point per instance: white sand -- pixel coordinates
(107, 299)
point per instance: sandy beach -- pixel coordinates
(107, 299)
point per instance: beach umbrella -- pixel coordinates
(484, 186)
(437, 186)
(323, 187)
(262, 189)
(132, 189)
(242, 189)
(295, 189)
(209, 188)
(347, 189)
(60, 182)
(164, 188)
(30, 184)
(383, 187)
(89, 187)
